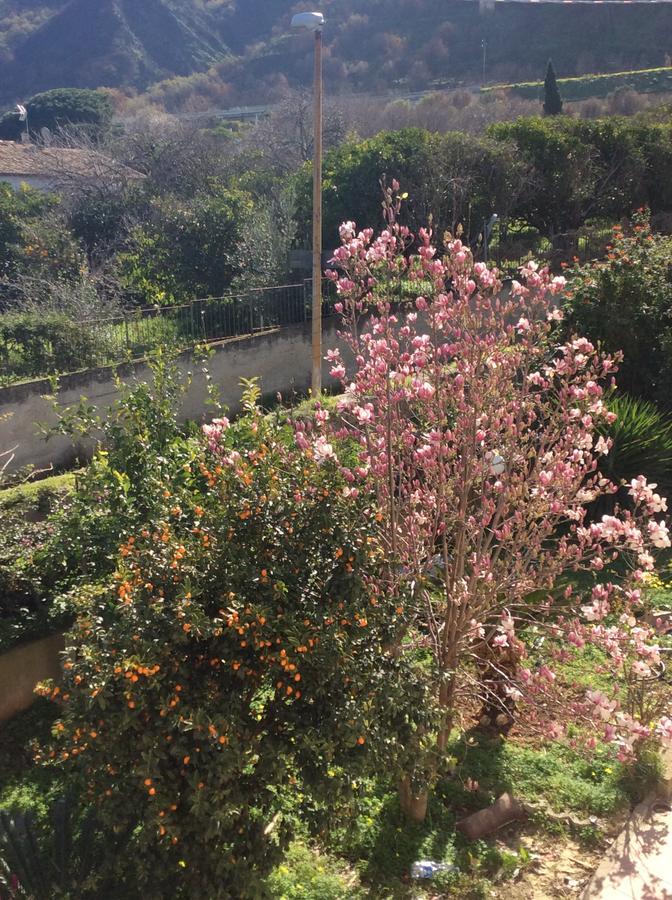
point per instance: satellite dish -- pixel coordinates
(46, 136)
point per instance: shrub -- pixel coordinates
(305, 875)
(187, 249)
(452, 179)
(36, 344)
(18, 209)
(142, 449)
(58, 108)
(24, 613)
(24, 604)
(641, 439)
(64, 863)
(236, 655)
(625, 303)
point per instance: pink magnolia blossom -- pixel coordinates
(664, 729)
(444, 385)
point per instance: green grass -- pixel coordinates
(382, 846)
(583, 87)
(33, 493)
(308, 875)
(566, 780)
(588, 669)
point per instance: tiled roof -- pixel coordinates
(29, 160)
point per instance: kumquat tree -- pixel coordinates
(238, 658)
(477, 423)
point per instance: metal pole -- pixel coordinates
(316, 382)
(485, 50)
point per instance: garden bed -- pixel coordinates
(371, 852)
(24, 508)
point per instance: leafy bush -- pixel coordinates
(24, 786)
(452, 179)
(642, 442)
(142, 451)
(63, 864)
(35, 344)
(229, 654)
(23, 610)
(304, 875)
(186, 249)
(18, 209)
(24, 605)
(625, 303)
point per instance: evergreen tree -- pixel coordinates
(552, 98)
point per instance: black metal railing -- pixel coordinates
(136, 333)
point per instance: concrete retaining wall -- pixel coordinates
(22, 668)
(280, 358)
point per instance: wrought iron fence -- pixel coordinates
(138, 332)
(511, 253)
(204, 320)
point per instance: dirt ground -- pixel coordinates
(558, 870)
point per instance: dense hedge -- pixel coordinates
(35, 344)
(551, 173)
(624, 302)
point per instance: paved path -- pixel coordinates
(638, 866)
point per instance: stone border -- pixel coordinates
(22, 668)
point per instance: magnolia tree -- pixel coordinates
(477, 429)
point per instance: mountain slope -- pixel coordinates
(370, 45)
(114, 43)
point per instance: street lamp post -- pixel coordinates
(315, 22)
(488, 225)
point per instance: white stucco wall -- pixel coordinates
(281, 359)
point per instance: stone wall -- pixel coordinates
(280, 358)
(22, 668)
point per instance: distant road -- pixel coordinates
(237, 113)
(254, 113)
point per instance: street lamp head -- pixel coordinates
(311, 20)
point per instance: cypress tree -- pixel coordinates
(552, 98)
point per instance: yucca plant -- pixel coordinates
(642, 444)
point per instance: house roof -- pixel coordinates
(30, 160)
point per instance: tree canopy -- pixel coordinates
(552, 98)
(57, 109)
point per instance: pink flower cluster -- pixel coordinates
(214, 431)
(479, 431)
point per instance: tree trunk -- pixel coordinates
(413, 803)
(498, 670)
(446, 697)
